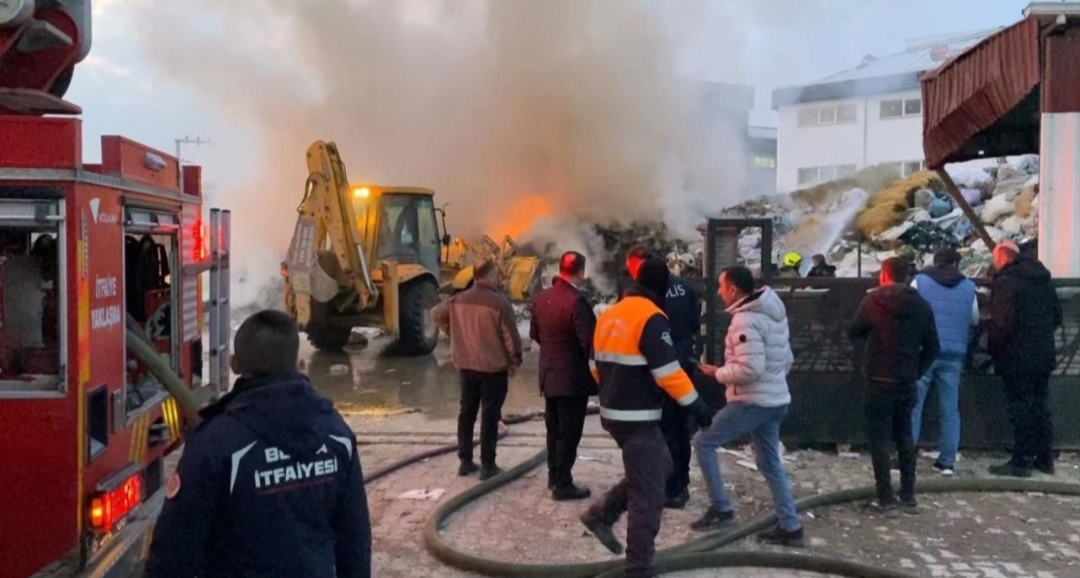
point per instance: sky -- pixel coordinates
(159, 71)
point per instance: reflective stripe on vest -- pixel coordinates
(630, 414)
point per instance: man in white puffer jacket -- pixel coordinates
(757, 358)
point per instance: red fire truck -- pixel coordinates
(93, 258)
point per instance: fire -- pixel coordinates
(520, 216)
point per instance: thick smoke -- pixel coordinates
(575, 107)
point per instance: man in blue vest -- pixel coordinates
(956, 311)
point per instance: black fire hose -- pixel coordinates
(447, 449)
(699, 554)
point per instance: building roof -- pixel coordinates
(892, 73)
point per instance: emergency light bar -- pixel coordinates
(109, 507)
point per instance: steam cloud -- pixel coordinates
(486, 101)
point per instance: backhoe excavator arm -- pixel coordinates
(326, 213)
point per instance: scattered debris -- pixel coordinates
(423, 495)
(339, 369)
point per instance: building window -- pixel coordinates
(808, 117)
(815, 175)
(912, 167)
(764, 162)
(833, 114)
(846, 113)
(808, 176)
(899, 107)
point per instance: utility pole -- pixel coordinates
(197, 141)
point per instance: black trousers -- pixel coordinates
(640, 493)
(676, 426)
(487, 390)
(1032, 421)
(565, 419)
(888, 417)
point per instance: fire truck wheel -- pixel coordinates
(327, 337)
(419, 334)
(60, 85)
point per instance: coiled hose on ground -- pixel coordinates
(696, 554)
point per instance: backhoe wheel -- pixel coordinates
(419, 334)
(327, 337)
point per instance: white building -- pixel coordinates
(868, 115)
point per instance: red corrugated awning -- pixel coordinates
(978, 88)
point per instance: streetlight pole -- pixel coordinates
(197, 141)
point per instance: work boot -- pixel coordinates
(1045, 466)
(569, 493)
(678, 501)
(713, 520)
(889, 509)
(467, 468)
(781, 537)
(1011, 469)
(602, 532)
(489, 471)
(910, 507)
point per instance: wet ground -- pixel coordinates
(372, 380)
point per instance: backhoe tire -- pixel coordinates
(419, 334)
(328, 338)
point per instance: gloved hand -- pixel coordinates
(702, 413)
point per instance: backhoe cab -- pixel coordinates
(362, 256)
(371, 256)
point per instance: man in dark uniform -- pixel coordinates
(683, 309)
(636, 366)
(270, 482)
(562, 325)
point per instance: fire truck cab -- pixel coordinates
(90, 256)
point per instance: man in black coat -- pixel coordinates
(683, 309)
(1024, 314)
(562, 325)
(897, 338)
(270, 482)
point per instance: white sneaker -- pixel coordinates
(942, 470)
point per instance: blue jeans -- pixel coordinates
(945, 376)
(763, 424)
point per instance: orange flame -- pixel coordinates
(520, 217)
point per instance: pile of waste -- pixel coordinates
(859, 222)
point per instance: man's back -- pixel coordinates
(1024, 312)
(952, 298)
(482, 327)
(563, 325)
(270, 484)
(683, 310)
(896, 329)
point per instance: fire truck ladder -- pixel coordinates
(220, 327)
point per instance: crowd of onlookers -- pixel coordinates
(270, 482)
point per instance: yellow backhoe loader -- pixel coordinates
(364, 255)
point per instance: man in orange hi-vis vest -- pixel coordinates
(636, 365)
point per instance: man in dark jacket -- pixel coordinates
(635, 364)
(270, 482)
(1024, 313)
(683, 309)
(956, 310)
(562, 325)
(895, 333)
(821, 268)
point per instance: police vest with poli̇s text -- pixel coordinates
(635, 363)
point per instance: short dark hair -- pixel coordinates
(739, 276)
(483, 269)
(818, 257)
(897, 269)
(268, 342)
(947, 257)
(571, 263)
(638, 254)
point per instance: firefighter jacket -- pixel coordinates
(270, 484)
(635, 363)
